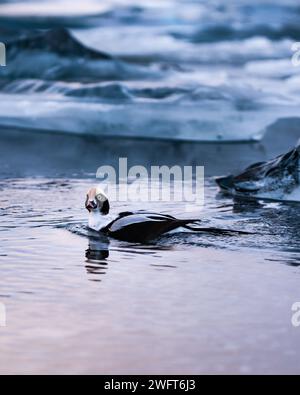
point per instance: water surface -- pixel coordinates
(185, 303)
(169, 82)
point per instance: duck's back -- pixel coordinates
(142, 226)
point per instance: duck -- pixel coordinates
(137, 226)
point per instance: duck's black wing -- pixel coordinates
(145, 212)
(143, 226)
(283, 171)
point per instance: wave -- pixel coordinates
(221, 33)
(57, 55)
(158, 120)
(201, 71)
(52, 14)
(110, 91)
(58, 41)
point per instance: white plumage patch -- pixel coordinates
(97, 221)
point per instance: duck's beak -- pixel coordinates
(91, 205)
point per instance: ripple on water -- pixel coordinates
(59, 273)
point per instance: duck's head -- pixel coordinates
(97, 201)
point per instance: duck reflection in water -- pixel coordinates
(96, 256)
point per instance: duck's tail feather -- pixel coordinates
(217, 231)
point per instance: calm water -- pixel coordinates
(204, 83)
(187, 303)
